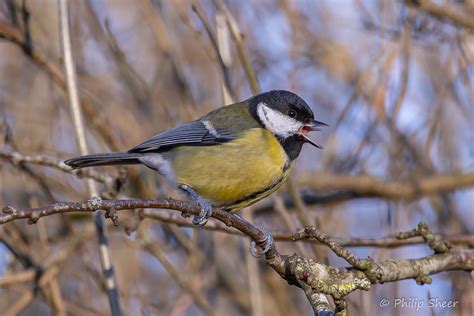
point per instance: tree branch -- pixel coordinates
(15, 36)
(367, 186)
(305, 273)
(444, 12)
(338, 282)
(16, 157)
(240, 45)
(33, 215)
(353, 186)
(76, 111)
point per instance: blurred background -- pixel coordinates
(395, 84)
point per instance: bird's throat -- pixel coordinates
(292, 145)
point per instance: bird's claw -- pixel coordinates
(204, 214)
(266, 243)
(199, 220)
(206, 207)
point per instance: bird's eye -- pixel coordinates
(292, 113)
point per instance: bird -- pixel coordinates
(229, 158)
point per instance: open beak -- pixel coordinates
(311, 127)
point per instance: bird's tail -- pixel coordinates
(107, 159)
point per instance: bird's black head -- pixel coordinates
(288, 117)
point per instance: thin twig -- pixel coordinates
(154, 248)
(44, 273)
(367, 186)
(34, 215)
(362, 264)
(241, 47)
(425, 232)
(71, 80)
(254, 280)
(215, 45)
(281, 210)
(16, 157)
(367, 271)
(445, 12)
(301, 211)
(13, 35)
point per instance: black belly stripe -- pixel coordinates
(259, 193)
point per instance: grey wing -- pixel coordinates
(195, 133)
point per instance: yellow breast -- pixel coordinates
(234, 174)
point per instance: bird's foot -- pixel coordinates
(266, 243)
(204, 214)
(206, 207)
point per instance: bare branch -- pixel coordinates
(444, 12)
(367, 186)
(212, 37)
(76, 111)
(385, 242)
(13, 35)
(33, 215)
(339, 282)
(154, 249)
(16, 157)
(430, 239)
(241, 47)
(297, 270)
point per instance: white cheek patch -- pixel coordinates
(277, 122)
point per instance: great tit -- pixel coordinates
(230, 158)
